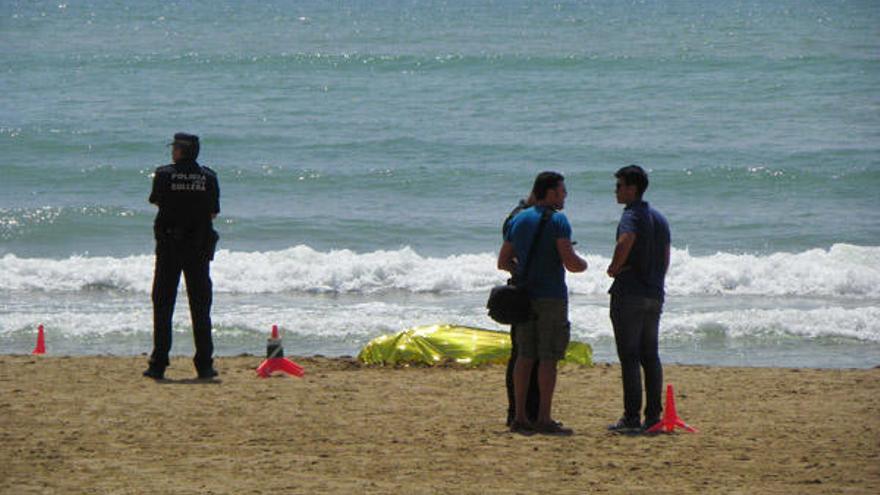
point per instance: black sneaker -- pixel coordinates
(554, 428)
(524, 429)
(626, 427)
(208, 374)
(154, 374)
(649, 423)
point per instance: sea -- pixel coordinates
(368, 152)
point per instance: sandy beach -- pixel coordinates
(94, 425)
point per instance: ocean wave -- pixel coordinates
(843, 270)
(684, 322)
(860, 324)
(332, 320)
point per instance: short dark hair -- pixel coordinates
(188, 143)
(545, 181)
(634, 175)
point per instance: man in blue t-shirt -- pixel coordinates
(533, 397)
(639, 265)
(544, 337)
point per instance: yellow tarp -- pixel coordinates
(440, 344)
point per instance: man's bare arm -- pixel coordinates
(506, 257)
(668, 249)
(570, 259)
(621, 253)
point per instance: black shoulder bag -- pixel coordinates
(510, 303)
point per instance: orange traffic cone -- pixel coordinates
(670, 419)
(41, 342)
(275, 360)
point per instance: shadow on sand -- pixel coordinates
(189, 381)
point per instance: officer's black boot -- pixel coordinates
(154, 373)
(165, 280)
(199, 290)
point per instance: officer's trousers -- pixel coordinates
(170, 262)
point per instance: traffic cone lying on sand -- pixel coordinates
(41, 342)
(275, 360)
(670, 419)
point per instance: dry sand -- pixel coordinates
(94, 425)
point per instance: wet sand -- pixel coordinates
(94, 425)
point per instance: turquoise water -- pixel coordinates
(368, 151)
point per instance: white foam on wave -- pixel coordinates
(836, 322)
(332, 320)
(842, 270)
(861, 323)
(324, 320)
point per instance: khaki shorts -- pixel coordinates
(546, 335)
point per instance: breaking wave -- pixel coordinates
(841, 271)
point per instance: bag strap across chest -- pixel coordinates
(533, 248)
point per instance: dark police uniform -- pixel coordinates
(188, 196)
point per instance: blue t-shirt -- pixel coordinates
(546, 277)
(645, 268)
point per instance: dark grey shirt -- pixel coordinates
(644, 271)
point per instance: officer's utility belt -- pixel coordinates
(201, 239)
(180, 234)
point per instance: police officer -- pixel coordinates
(188, 197)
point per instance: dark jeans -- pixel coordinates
(170, 262)
(533, 398)
(636, 323)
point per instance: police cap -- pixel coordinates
(187, 142)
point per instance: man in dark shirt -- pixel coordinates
(188, 197)
(641, 259)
